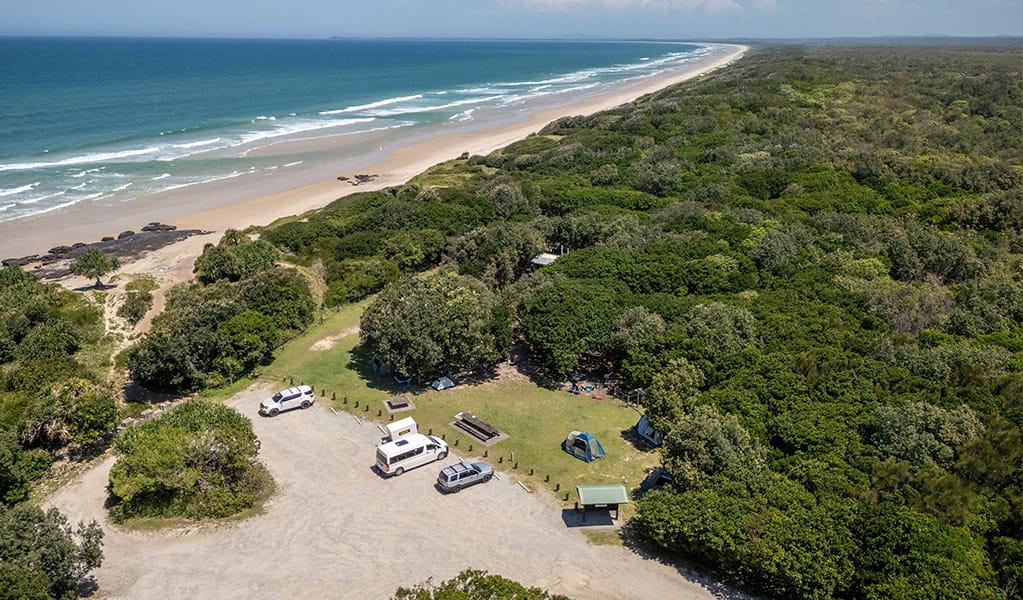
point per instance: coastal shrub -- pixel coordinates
(358, 244)
(299, 235)
(198, 461)
(471, 584)
(236, 258)
(281, 294)
(252, 337)
(51, 340)
(76, 411)
(135, 306)
(352, 280)
(138, 299)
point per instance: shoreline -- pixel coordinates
(34, 235)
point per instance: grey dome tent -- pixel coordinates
(646, 431)
(583, 446)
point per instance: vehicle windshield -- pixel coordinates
(277, 397)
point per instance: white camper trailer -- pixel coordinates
(401, 428)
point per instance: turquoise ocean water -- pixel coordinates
(90, 120)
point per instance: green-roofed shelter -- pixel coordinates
(601, 496)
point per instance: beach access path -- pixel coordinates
(336, 529)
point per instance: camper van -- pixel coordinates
(408, 452)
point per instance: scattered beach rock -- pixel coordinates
(464, 156)
(363, 178)
(58, 250)
(19, 262)
(125, 234)
(108, 238)
(157, 226)
(78, 245)
(342, 178)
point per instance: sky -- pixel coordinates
(620, 19)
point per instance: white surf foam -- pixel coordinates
(18, 190)
(372, 105)
(93, 157)
(197, 144)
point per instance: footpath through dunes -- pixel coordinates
(335, 529)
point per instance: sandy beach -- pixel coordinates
(246, 202)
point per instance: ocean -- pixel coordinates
(107, 121)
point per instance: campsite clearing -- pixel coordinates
(337, 529)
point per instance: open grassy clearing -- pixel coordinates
(537, 419)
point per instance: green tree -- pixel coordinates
(40, 548)
(924, 434)
(722, 328)
(431, 324)
(671, 395)
(572, 320)
(705, 443)
(95, 264)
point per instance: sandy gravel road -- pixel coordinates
(336, 529)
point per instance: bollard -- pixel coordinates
(548, 478)
(516, 466)
(333, 396)
(456, 441)
(500, 459)
(530, 470)
(366, 407)
(356, 404)
(346, 400)
(486, 453)
(566, 496)
(431, 431)
(323, 392)
(292, 381)
(380, 412)
(285, 378)
(512, 456)
(444, 436)
(470, 447)
(557, 487)
(392, 417)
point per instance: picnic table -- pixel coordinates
(480, 429)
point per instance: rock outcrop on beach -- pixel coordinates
(126, 247)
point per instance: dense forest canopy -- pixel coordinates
(812, 263)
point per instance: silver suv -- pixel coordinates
(454, 478)
(297, 397)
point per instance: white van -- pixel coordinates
(413, 450)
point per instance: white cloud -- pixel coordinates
(560, 5)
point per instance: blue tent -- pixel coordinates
(583, 446)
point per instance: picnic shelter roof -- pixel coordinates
(602, 494)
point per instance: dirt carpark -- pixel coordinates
(336, 529)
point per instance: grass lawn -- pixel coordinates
(536, 419)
